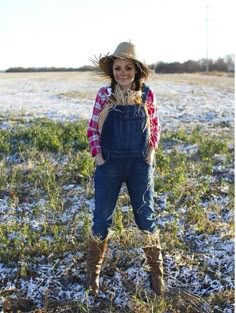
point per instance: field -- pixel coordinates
(46, 199)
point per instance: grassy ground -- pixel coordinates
(46, 191)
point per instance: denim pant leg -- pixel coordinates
(107, 186)
(140, 185)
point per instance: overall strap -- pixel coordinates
(145, 90)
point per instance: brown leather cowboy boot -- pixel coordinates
(95, 257)
(155, 261)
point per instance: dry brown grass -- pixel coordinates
(216, 80)
(212, 79)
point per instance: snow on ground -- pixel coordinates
(63, 278)
(69, 96)
(182, 99)
(53, 95)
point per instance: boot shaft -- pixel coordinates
(95, 258)
(153, 254)
(96, 251)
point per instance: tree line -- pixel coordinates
(50, 69)
(220, 65)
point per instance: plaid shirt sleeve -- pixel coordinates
(155, 128)
(92, 131)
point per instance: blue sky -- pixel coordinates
(69, 32)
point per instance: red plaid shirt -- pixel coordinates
(101, 99)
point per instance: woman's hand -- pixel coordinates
(150, 156)
(99, 159)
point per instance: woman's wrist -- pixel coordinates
(99, 158)
(150, 155)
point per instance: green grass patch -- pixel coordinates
(46, 170)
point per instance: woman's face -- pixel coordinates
(124, 73)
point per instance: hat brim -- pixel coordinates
(105, 63)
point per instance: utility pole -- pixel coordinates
(207, 61)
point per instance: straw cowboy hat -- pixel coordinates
(125, 50)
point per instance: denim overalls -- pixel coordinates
(124, 142)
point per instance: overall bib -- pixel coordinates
(124, 142)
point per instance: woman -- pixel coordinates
(123, 135)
